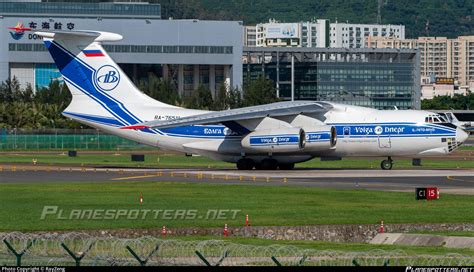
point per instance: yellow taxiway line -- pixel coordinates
(455, 179)
(136, 177)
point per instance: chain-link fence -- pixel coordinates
(63, 139)
(82, 249)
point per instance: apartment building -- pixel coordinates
(440, 57)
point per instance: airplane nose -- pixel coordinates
(461, 135)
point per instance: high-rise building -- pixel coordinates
(461, 58)
(440, 57)
(345, 35)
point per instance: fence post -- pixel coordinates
(222, 258)
(79, 258)
(300, 263)
(135, 255)
(18, 255)
(202, 258)
(275, 260)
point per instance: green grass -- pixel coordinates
(22, 205)
(333, 246)
(176, 161)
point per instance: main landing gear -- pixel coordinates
(245, 164)
(387, 164)
(266, 164)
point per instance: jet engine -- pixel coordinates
(320, 138)
(275, 140)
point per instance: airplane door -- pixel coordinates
(385, 142)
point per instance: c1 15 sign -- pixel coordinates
(431, 193)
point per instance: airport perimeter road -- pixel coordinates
(459, 181)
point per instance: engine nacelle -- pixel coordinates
(275, 140)
(320, 138)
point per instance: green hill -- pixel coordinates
(449, 18)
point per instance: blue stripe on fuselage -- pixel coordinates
(392, 129)
(95, 119)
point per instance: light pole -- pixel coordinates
(55, 134)
(14, 138)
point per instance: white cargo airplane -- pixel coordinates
(267, 137)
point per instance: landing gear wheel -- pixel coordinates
(269, 164)
(386, 164)
(245, 164)
(286, 166)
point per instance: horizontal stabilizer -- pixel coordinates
(97, 36)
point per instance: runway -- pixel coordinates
(457, 181)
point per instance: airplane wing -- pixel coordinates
(269, 110)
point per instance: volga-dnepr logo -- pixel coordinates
(107, 78)
(18, 31)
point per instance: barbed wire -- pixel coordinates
(80, 248)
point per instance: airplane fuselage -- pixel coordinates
(360, 132)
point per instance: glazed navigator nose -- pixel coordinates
(461, 135)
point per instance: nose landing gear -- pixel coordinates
(387, 164)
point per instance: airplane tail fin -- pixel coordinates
(102, 92)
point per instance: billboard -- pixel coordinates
(279, 31)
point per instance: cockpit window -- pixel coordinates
(435, 119)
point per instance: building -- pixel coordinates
(461, 60)
(377, 78)
(189, 53)
(345, 35)
(315, 33)
(441, 87)
(304, 34)
(250, 36)
(440, 57)
(390, 42)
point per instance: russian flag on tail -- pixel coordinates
(93, 53)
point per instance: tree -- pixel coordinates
(258, 92)
(221, 100)
(234, 98)
(27, 94)
(25, 109)
(456, 102)
(10, 90)
(160, 89)
(200, 99)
